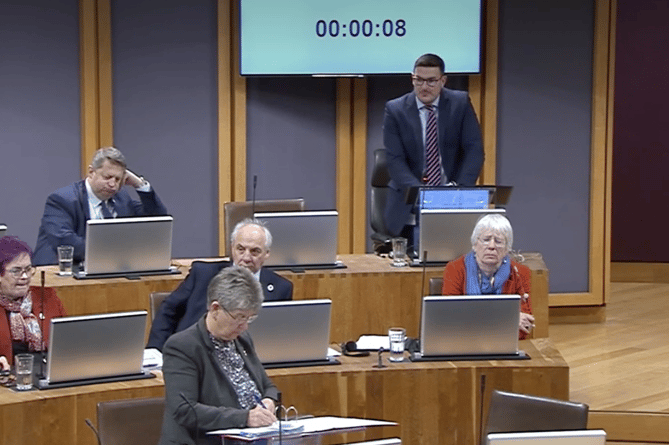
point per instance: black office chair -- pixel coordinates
(510, 413)
(380, 179)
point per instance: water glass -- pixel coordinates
(399, 252)
(396, 337)
(65, 256)
(24, 371)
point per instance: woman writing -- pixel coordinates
(27, 311)
(213, 377)
(487, 269)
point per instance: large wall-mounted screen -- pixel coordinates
(357, 37)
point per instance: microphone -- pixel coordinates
(197, 427)
(481, 407)
(90, 424)
(278, 417)
(41, 324)
(253, 202)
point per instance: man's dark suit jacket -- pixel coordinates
(66, 212)
(183, 307)
(191, 371)
(460, 145)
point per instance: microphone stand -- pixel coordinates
(197, 426)
(253, 202)
(41, 326)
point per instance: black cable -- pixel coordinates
(197, 426)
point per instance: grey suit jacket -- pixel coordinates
(191, 371)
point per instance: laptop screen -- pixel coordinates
(469, 325)
(302, 238)
(94, 346)
(292, 331)
(582, 437)
(128, 244)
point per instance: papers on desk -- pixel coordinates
(373, 343)
(302, 427)
(153, 359)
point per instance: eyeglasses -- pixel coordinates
(498, 242)
(418, 81)
(241, 318)
(18, 272)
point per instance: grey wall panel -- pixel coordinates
(39, 108)
(291, 139)
(545, 91)
(165, 109)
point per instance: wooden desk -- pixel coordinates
(434, 403)
(368, 296)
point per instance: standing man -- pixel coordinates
(432, 137)
(99, 195)
(251, 242)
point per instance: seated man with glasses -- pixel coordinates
(432, 137)
(251, 243)
(26, 311)
(213, 376)
(488, 269)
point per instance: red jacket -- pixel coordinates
(455, 277)
(52, 308)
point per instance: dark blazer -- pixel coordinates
(460, 145)
(191, 371)
(66, 212)
(183, 307)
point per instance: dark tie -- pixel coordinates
(432, 158)
(107, 209)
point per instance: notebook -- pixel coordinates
(469, 327)
(582, 437)
(446, 234)
(302, 239)
(94, 349)
(127, 246)
(293, 333)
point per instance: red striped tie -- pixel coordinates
(432, 157)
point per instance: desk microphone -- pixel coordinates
(197, 426)
(253, 202)
(90, 424)
(41, 327)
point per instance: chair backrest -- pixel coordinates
(234, 212)
(131, 421)
(511, 412)
(379, 191)
(436, 285)
(155, 300)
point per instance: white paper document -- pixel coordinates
(373, 343)
(302, 427)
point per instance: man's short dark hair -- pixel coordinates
(430, 60)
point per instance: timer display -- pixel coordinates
(356, 37)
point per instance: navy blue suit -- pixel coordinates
(460, 145)
(66, 212)
(184, 307)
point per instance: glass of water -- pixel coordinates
(24, 371)
(65, 256)
(396, 337)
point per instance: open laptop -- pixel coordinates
(469, 327)
(95, 349)
(293, 333)
(303, 240)
(581, 437)
(446, 234)
(128, 247)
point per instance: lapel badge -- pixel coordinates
(270, 287)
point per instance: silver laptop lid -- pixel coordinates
(3, 230)
(302, 238)
(93, 346)
(469, 325)
(446, 234)
(581, 437)
(128, 244)
(292, 331)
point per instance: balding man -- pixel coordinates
(251, 242)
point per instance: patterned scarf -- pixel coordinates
(478, 284)
(23, 324)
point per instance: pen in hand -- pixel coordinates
(259, 401)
